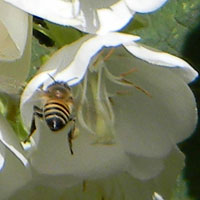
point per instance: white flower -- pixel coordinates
(15, 48)
(123, 186)
(130, 113)
(14, 31)
(114, 187)
(88, 15)
(13, 165)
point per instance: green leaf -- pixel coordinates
(167, 29)
(9, 108)
(40, 54)
(62, 35)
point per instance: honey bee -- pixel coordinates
(57, 110)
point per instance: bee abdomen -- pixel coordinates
(56, 115)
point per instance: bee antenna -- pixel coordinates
(66, 81)
(52, 77)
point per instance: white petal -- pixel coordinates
(14, 30)
(70, 62)
(10, 140)
(2, 156)
(165, 183)
(179, 66)
(33, 191)
(123, 186)
(151, 126)
(89, 161)
(104, 16)
(144, 168)
(55, 181)
(13, 176)
(88, 16)
(14, 73)
(157, 196)
(144, 6)
(86, 51)
(58, 11)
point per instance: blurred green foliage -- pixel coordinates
(168, 28)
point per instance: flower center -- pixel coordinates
(95, 112)
(95, 105)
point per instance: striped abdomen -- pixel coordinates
(56, 114)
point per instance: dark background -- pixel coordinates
(191, 147)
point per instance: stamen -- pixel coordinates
(128, 72)
(102, 58)
(98, 59)
(124, 82)
(83, 100)
(104, 115)
(109, 105)
(123, 92)
(100, 120)
(110, 52)
(137, 87)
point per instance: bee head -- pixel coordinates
(59, 90)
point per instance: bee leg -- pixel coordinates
(71, 135)
(37, 112)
